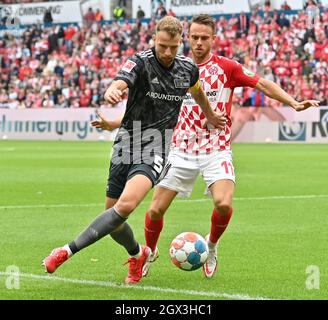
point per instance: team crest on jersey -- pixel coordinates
(128, 66)
(248, 72)
(213, 70)
(182, 83)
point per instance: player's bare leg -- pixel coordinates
(222, 193)
(154, 221)
(134, 192)
(110, 202)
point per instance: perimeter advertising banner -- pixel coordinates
(191, 7)
(267, 125)
(30, 13)
(309, 126)
(54, 124)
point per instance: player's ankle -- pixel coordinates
(68, 250)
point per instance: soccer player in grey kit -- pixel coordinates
(158, 80)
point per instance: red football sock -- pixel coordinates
(219, 224)
(153, 229)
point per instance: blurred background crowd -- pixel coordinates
(70, 66)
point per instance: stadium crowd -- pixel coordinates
(72, 66)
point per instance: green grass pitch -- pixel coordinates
(50, 191)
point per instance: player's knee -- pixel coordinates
(125, 207)
(156, 213)
(223, 206)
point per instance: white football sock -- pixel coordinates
(66, 247)
(138, 254)
(211, 245)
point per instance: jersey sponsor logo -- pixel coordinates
(188, 100)
(155, 81)
(248, 72)
(209, 93)
(182, 83)
(163, 96)
(212, 96)
(292, 131)
(221, 95)
(128, 66)
(212, 93)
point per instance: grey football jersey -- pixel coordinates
(155, 93)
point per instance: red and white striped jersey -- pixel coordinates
(219, 76)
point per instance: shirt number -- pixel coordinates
(158, 163)
(228, 167)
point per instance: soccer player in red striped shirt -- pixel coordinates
(199, 148)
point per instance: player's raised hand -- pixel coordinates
(306, 104)
(102, 122)
(217, 120)
(113, 95)
(106, 124)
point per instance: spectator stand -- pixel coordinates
(71, 64)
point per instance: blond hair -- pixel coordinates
(171, 25)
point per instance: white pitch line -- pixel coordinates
(7, 149)
(136, 287)
(69, 205)
(63, 205)
(309, 196)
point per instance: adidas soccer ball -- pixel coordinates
(188, 251)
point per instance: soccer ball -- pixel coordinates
(188, 251)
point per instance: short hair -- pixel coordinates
(204, 19)
(171, 25)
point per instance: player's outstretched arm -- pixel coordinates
(106, 124)
(218, 120)
(272, 90)
(114, 93)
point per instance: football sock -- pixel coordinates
(153, 229)
(124, 236)
(219, 224)
(136, 253)
(100, 227)
(68, 249)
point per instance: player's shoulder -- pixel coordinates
(145, 55)
(140, 58)
(185, 61)
(225, 62)
(134, 60)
